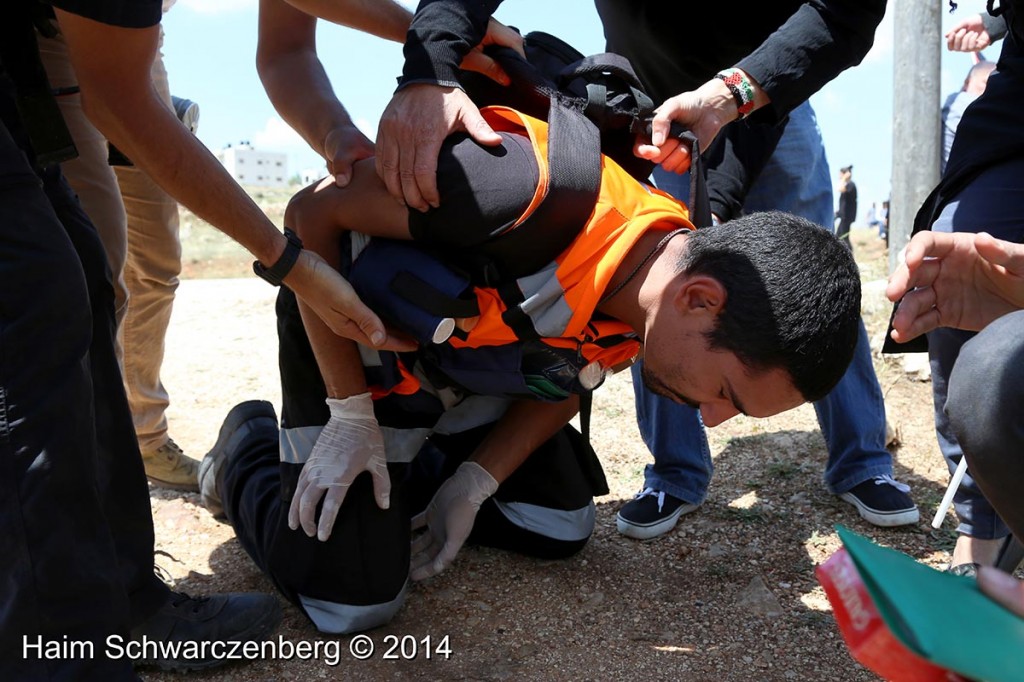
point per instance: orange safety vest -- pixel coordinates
(553, 310)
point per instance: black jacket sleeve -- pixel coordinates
(734, 160)
(996, 26)
(441, 34)
(819, 41)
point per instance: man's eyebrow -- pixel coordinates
(732, 397)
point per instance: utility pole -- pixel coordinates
(916, 130)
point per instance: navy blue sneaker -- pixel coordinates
(650, 514)
(883, 501)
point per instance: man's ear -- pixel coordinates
(700, 294)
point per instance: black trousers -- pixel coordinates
(76, 531)
(357, 578)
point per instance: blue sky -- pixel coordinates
(210, 49)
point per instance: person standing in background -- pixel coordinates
(847, 212)
(953, 108)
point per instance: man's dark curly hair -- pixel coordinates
(793, 296)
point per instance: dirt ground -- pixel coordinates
(729, 595)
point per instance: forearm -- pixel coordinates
(119, 99)
(187, 171)
(336, 356)
(820, 40)
(291, 71)
(525, 427)
(301, 93)
(441, 34)
(382, 18)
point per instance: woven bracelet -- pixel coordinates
(741, 88)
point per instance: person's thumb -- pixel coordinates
(998, 253)
(660, 127)
(369, 324)
(478, 128)
(342, 176)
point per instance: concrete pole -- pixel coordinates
(916, 128)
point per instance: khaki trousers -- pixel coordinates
(138, 225)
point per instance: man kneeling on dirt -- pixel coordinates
(467, 437)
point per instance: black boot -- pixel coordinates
(180, 636)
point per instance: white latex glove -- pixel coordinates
(349, 444)
(449, 519)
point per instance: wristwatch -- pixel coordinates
(276, 273)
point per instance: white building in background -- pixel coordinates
(255, 168)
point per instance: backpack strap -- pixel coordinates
(700, 200)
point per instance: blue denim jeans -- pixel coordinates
(994, 202)
(852, 417)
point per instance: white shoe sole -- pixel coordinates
(652, 530)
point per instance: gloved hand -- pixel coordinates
(448, 519)
(349, 444)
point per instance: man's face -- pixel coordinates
(715, 382)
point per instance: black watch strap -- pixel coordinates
(276, 273)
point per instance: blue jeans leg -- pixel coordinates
(852, 416)
(994, 202)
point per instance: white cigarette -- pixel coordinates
(947, 499)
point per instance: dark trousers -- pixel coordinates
(986, 392)
(76, 532)
(993, 202)
(357, 578)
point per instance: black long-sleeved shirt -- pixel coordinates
(792, 48)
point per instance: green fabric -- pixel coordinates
(944, 618)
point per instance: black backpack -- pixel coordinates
(593, 105)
